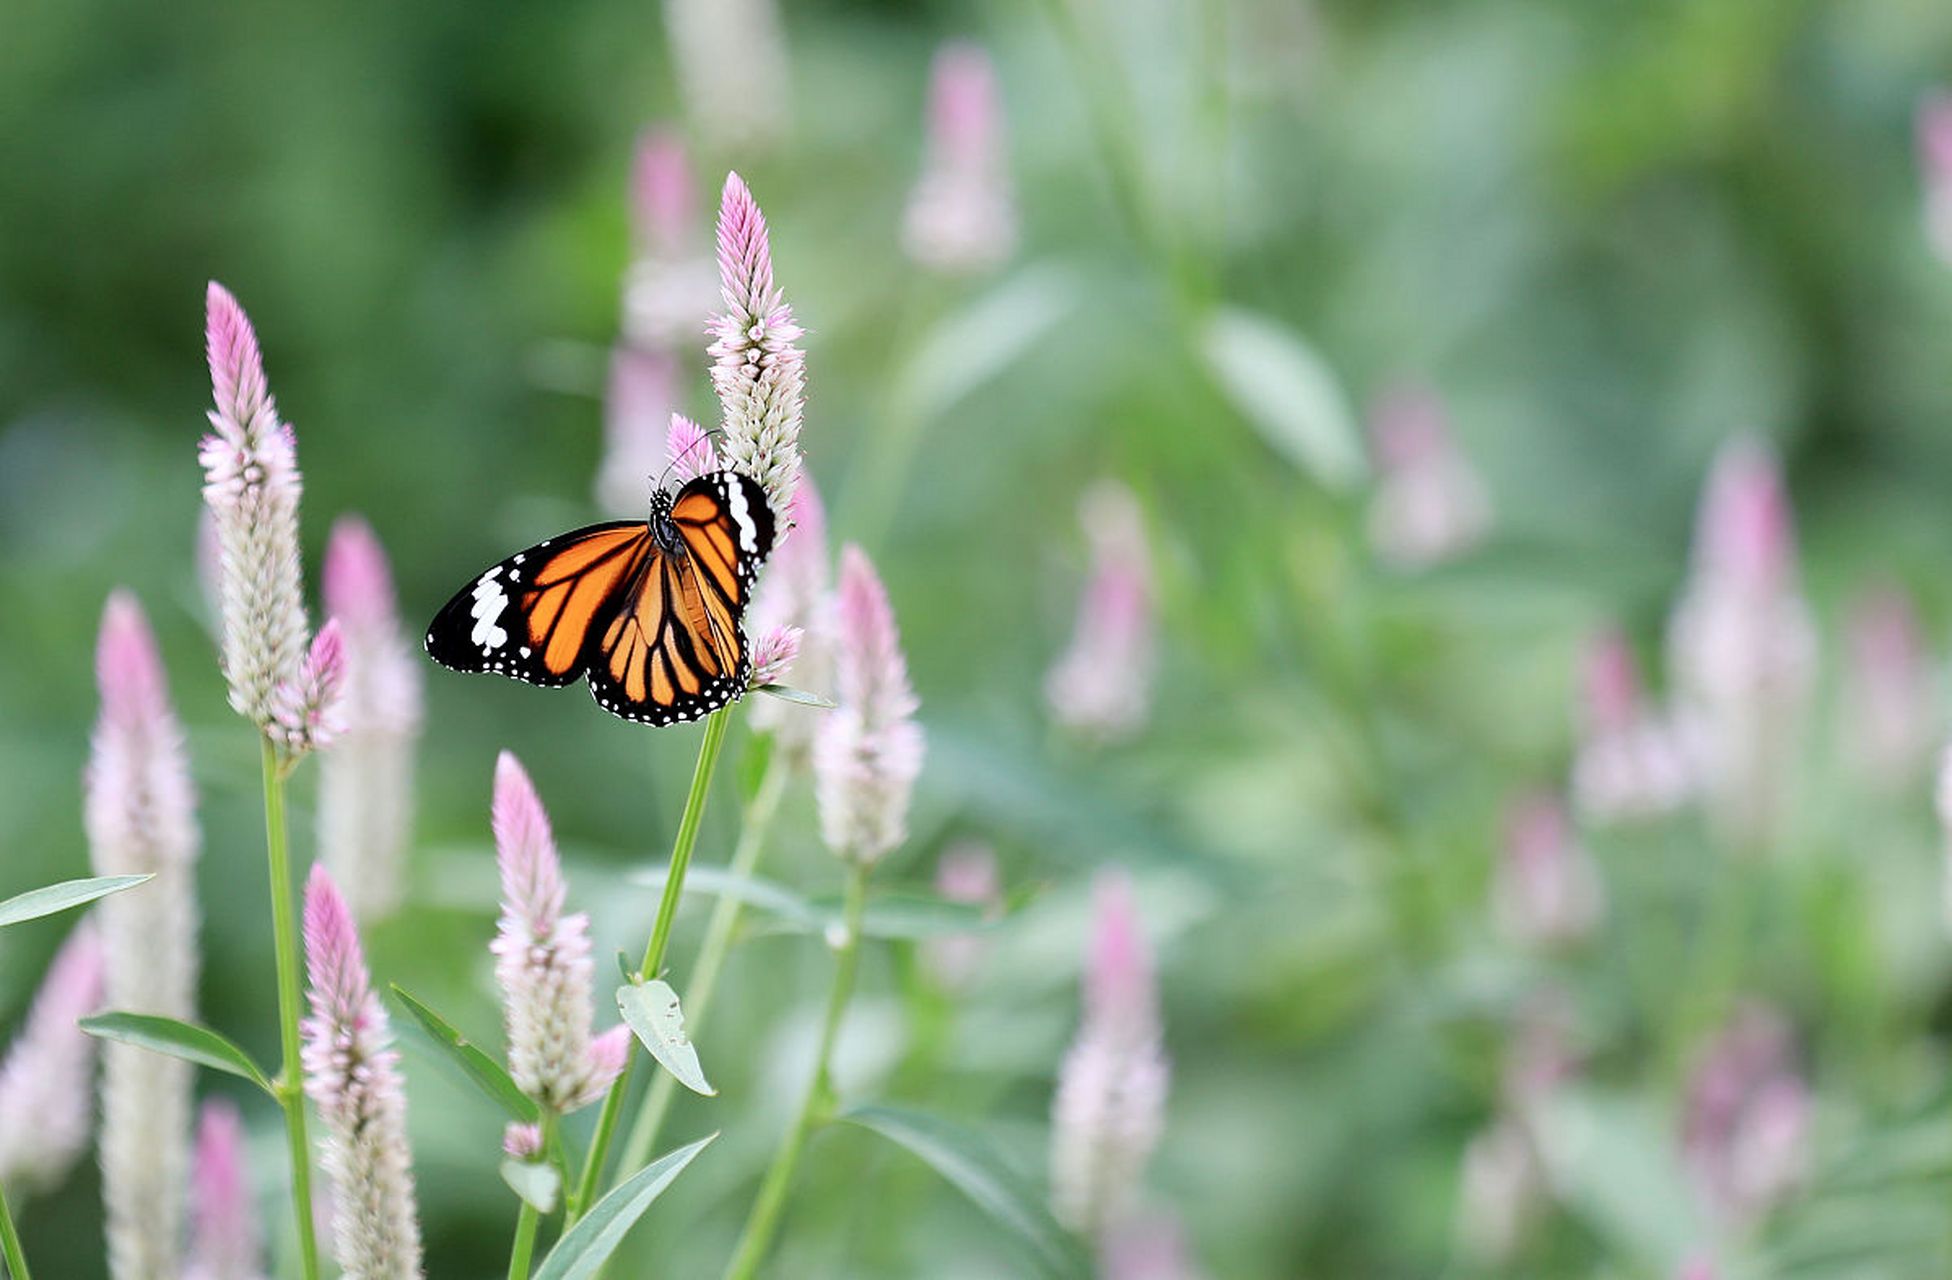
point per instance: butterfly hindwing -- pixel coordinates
(530, 617)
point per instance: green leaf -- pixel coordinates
(767, 895)
(909, 916)
(1287, 392)
(979, 342)
(754, 762)
(536, 1181)
(183, 1040)
(1610, 1159)
(787, 693)
(49, 899)
(973, 1165)
(486, 1073)
(652, 1012)
(586, 1246)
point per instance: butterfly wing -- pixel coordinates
(677, 650)
(532, 616)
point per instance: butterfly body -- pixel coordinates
(650, 611)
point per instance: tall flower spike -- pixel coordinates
(1430, 504)
(1547, 891)
(141, 820)
(730, 59)
(252, 485)
(1935, 168)
(1102, 686)
(868, 751)
(669, 290)
(636, 421)
(1632, 761)
(353, 1077)
(1742, 646)
(1891, 693)
(960, 216)
(793, 592)
(45, 1082)
(1746, 1130)
(306, 710)
(757, 370)
(366, 783)
(1111, 1090)
(542, 959)
(224, 1242)
(691, 450)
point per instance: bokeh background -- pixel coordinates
(1606, 237)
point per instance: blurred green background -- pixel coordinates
(1609, 235)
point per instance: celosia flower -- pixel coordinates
(224, 1243)
(46, 1082)
(306, 711)
(757, 370)
(1111, 1090)
(1430, 504)
(542, 959)
(1148, 1247)
(690, 448)
(140, 815)
(730, 59)
(1935, 168)
(960, 216)
(354, 1079)
(1742, 644)
(1890, 692)
(636, 420)
(522, 1141)
(1698, 1267)
(1632, 761)
(868, 750)
(772, 654)
(251, 484)
(1102, 686)
(366, 784)
(966, 873)
(669, 290)
(793, 592)
(1746, 1130)
(1547, 891)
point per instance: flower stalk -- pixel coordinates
(10, 1242)
(288, 1086)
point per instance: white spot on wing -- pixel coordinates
(735, 497)
(489, 602)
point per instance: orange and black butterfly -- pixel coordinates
(652, 611)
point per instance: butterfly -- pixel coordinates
(651, 611)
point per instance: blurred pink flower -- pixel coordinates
(1935, 168)
(793, 591)
(46, 1081)
(1698, 1267)
(542, 957)
(365, 812)
(757, 370)
(772, 654)
(961, 217)
(1430, 504)
(141, 820)
(636, 421)
(1150, 1245)
(522, 1141)
(1110, 1105)
(868, 750)
(252, 486)
(224, 1241)
(690, 449)
(669, 289)
(1547, 891)
(965, 873)
(732, 71)
(1746, 1128)
(1742, 646)
(1892, 704)
(1632, 761)
(307, 711)
(354, 1079)
(1102, 685)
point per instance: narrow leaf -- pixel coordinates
(767, 895)
(909, 916)
(176, 1039)
(805, 698)
(586, 1246)
(49, 899)
(1287, 392)
(535, 1181)
(974, 1167)
(980, 342)
(484, 1071)
(652, 1012)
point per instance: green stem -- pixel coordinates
(667, 910)
(757, 1238)
(719, 932)
(10, 1242)
(284, 928)
(529, 1219)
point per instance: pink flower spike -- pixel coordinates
(1935, 165)
(1101, 687)
(357, 582)
(307, 711)
(662, 198)
(773, 654)
(966, 873)
(542, 957)
(46, 1081)
(354, 1079)
(1746, 1127)
(608, 1054)
(961, 217)
(868, 751)
(522, 1141)
(757, 369)
(1890, 690)
(224, 1242)
(692, 454)
(636, 418)
(252, 486)
(1430, 504)
(1744, 534)
(1547, 891)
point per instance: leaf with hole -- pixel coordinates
(652, 1012)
